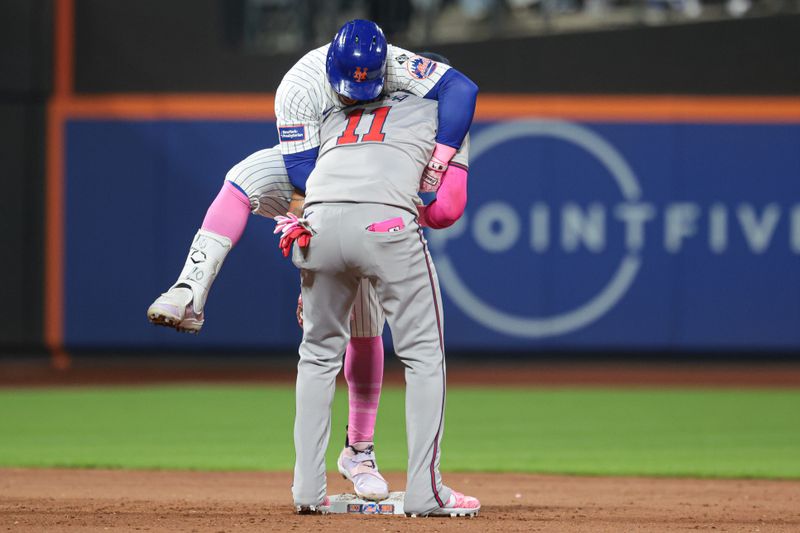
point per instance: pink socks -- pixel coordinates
(363, 370)
(227, 215)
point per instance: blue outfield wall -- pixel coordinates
(577, 236)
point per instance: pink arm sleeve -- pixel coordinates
(451, 199)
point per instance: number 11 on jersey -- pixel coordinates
(375, 133)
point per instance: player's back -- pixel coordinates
(375, 152)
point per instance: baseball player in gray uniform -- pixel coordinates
(362, 210)
(304, 97)
(263, 178)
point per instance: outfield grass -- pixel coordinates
(719, 433)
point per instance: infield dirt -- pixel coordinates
(33, 500)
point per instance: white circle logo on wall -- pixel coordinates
(596, 306)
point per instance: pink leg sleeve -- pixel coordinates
(228, 213)
(363, 370)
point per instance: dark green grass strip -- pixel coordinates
(705, 433)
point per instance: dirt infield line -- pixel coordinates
(118, 500)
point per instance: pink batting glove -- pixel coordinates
(284, 225)
(292, 230)
(432, 175)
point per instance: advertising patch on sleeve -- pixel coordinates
(292, 133)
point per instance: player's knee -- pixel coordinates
(319, 359)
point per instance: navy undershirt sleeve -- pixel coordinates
(457, 95)
(299, 166)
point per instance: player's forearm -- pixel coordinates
(450, 202)
(297, 202)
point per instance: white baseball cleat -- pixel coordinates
(175, 309)
(362, 470)
(457, 505)
(181, 307)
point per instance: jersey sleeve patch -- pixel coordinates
(293, 133)
(421, 67)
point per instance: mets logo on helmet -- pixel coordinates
(360, 74)
(421, 67)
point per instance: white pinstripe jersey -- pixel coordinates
(376, 152)
(304, 94)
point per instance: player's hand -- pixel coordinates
(299, 234)
(292, 229)
(284, 225)
(432, 175)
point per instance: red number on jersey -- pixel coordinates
(375, 133)
(349, 136)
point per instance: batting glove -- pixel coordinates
(432, 175)
(286, 224)
(292, 229)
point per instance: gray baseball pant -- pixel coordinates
(341, 252)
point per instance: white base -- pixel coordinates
(352, 504)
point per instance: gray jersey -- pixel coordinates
(376, 152)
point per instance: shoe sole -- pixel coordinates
(310, 509)
(449, 513)
(371, 497)
(160, 318)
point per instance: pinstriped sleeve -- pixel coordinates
(298, 103)
(297, 117)
(406, 71)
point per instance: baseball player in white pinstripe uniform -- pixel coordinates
(263, 185)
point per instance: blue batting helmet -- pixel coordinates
(356, 63)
